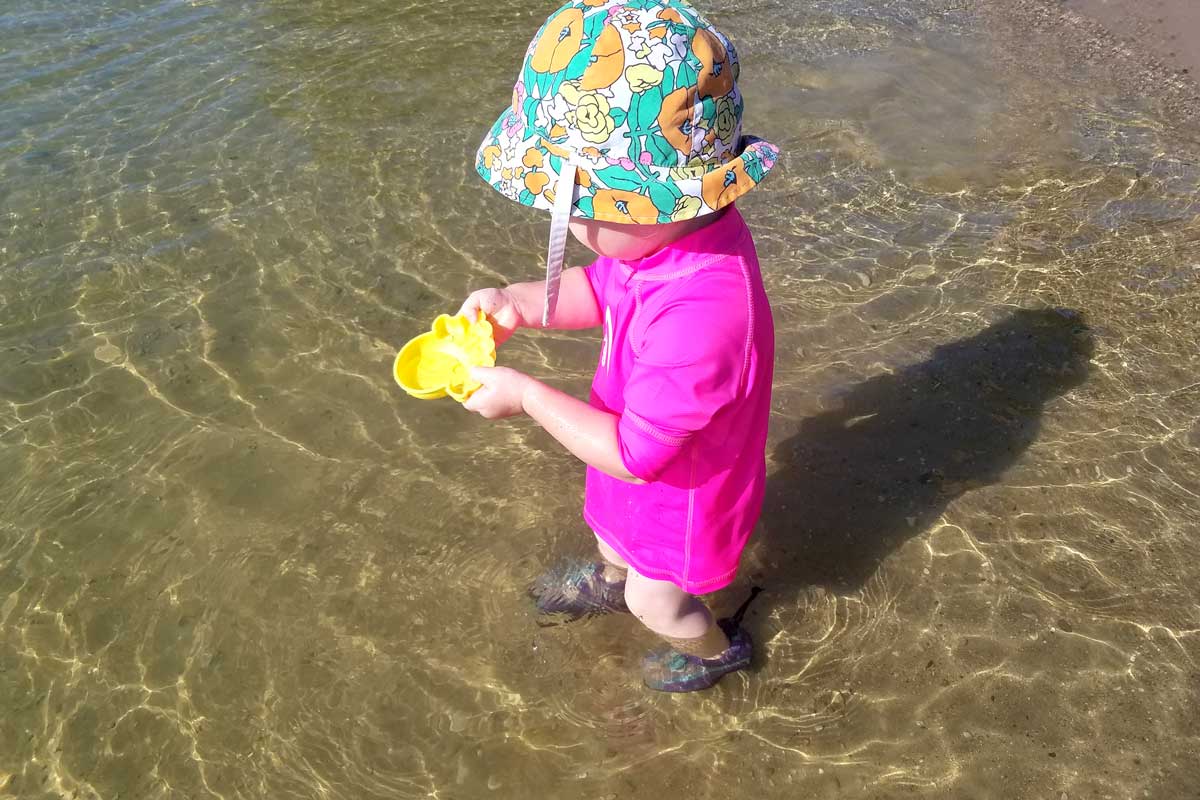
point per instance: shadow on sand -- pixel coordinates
(854, 484)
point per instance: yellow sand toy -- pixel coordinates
(435, 363)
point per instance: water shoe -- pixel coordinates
(669, 670)
(575, 589)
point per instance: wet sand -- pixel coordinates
(1170, 29)
(1149, 49)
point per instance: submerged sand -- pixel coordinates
(236, 562)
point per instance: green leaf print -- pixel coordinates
(529, 112)
(686, 12)
(584, 204)
(542, 85)
(663, 198)
(528, 76)
(754, 170)
(635, 149)
(593, 24)
(687, 75)
(618, 115)
(617, 178)
(647, 110)
(555, 82)
(526, 197)
(663, 151)
(576, 66)
(668, 81)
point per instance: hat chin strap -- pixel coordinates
(560, 216)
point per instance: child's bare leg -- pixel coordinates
(681, 619)
(614, 566)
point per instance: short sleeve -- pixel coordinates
(597, 275)
(688, 367)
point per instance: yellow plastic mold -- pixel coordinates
(435, 363)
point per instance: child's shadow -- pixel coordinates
(853, 484)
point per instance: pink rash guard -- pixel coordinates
(686, 363)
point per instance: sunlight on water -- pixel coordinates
(236, 561)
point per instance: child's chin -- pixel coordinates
(612, 242)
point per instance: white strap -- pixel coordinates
(563, 197)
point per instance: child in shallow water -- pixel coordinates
(625, 123)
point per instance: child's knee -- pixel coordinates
(636, 599)
(654, 603)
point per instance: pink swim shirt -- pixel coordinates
(686, 364)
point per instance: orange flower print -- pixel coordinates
(722, 186)
(536, 181)
(560, 41)
(716, 76)
(532, 159)
(638, 100)
(554, 149)
(608, 59)
(619, 205)
(490, 154)
(675, 120)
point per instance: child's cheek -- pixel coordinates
(578, 232)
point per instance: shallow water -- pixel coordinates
(236, 562)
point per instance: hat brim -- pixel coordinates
(524, 166)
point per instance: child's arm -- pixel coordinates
(520, 305)
(588, 432)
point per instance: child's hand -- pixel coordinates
(501, 308)
(502, 394)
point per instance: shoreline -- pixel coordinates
(1123, 39)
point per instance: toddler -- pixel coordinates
(625, 124)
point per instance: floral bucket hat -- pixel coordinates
(623, 112)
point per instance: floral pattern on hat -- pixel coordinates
(641, 95)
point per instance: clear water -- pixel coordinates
(236, 562)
